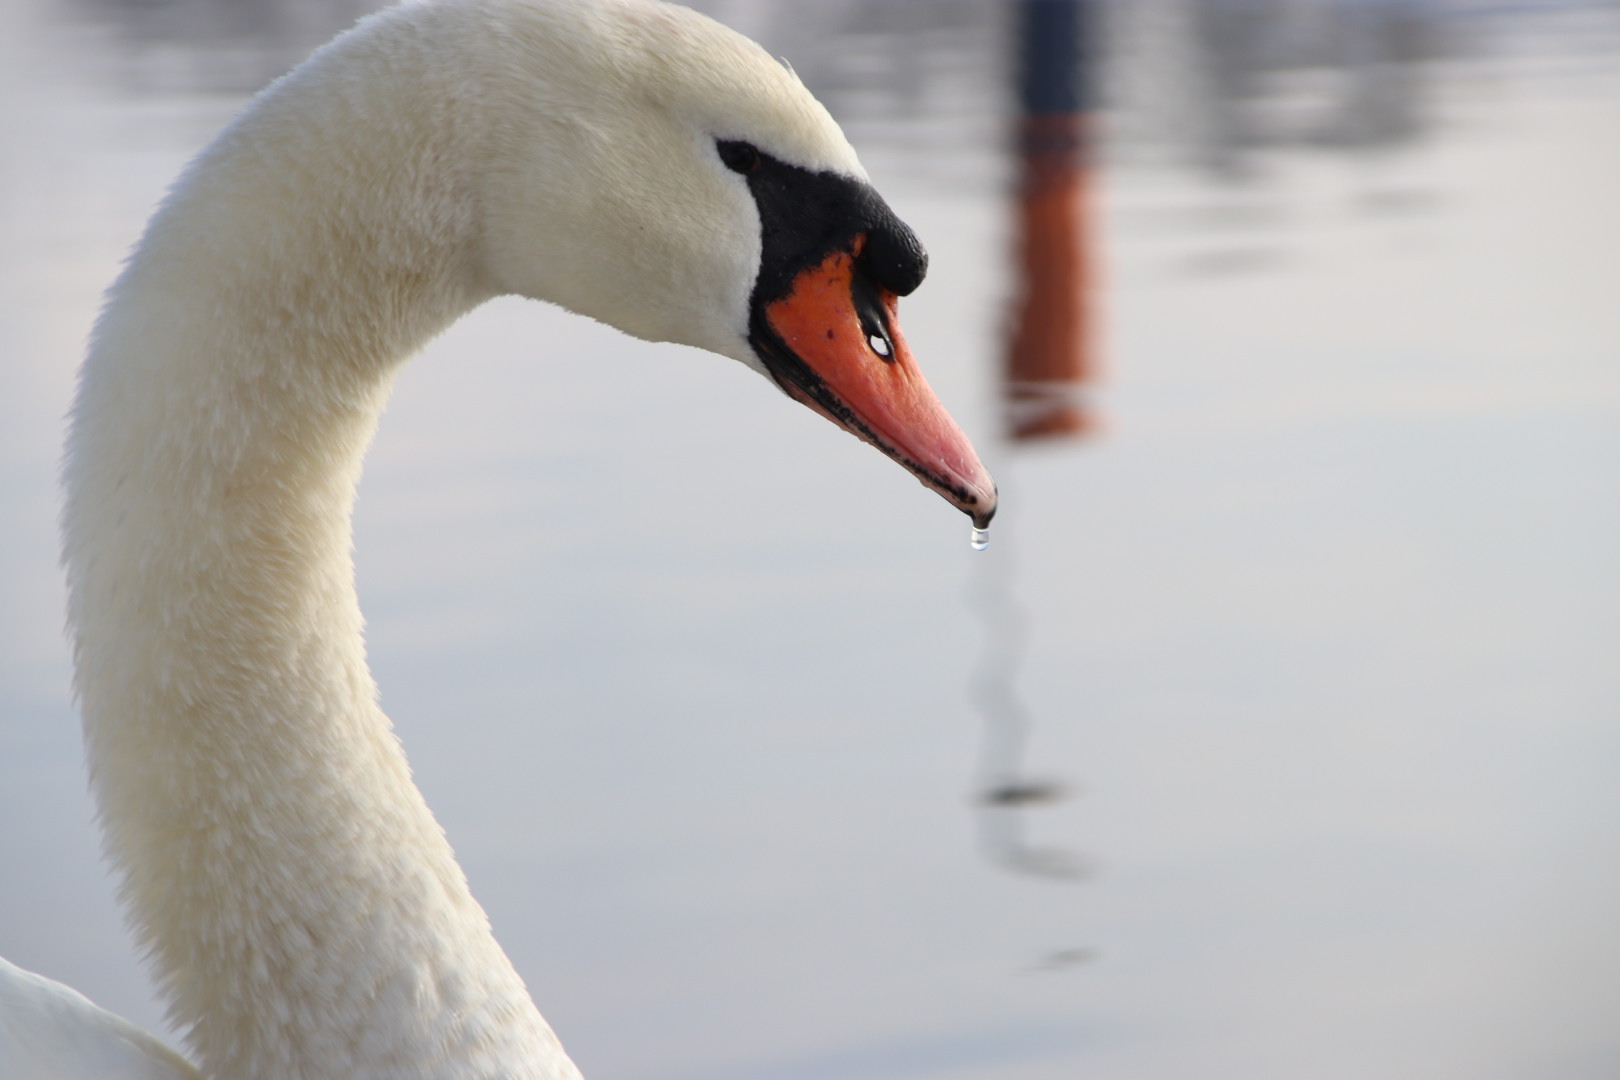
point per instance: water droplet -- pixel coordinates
(980, 538)
(879, 346)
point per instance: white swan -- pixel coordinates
(630, 160)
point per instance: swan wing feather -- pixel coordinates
(52, 1032)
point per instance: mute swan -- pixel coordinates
(630, 160)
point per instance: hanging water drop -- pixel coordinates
(879, 345)
(980, 538)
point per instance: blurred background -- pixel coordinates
(1275, 735)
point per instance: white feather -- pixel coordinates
(50, 1032)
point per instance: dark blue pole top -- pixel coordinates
(1052, 47)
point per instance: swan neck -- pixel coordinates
(304, 912)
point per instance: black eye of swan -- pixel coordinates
(739, 157)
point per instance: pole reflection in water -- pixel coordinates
(1005, 791)
(1048, 364)
(1049, 359)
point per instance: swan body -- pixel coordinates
(630, 160)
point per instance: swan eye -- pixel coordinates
(739, 157)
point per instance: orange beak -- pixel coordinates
(846, 359)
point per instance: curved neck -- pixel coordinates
(304, 911)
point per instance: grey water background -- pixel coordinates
(1319, 633)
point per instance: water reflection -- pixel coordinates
(1221, 79)
(1004, 787)
(1048, 364)
(1051, 341)
(210, 46)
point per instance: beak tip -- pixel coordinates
(978, 498)
(985, 509)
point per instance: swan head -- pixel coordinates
(663, 174)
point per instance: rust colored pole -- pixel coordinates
(1050, 347)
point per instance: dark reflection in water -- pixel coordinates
(1006, 791)
(1048, 363)
(1050, 340)
(1219, 84)
(1246, 74)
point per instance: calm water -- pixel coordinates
(1275, 736)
